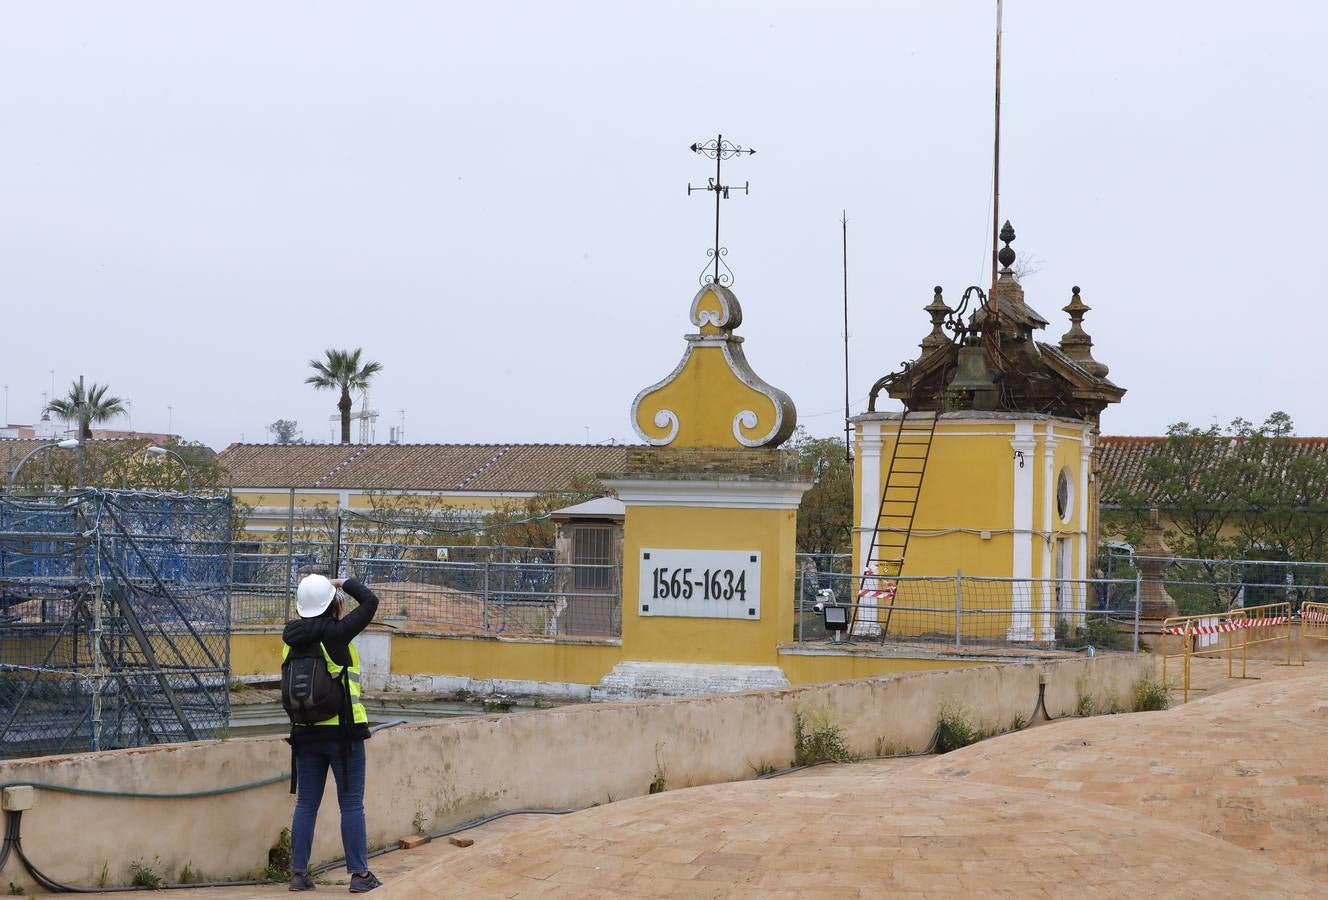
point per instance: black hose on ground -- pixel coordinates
(14, 842)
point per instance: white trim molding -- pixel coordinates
(1021, 564)
(711, 494)
(1049, 522)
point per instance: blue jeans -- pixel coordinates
(311, 764)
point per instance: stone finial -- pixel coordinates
(1006, 256)
(1007, 286)
(1152, 557)
(1076, 342)
(938, 311)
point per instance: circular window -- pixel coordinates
(1064, 496)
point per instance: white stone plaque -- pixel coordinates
(707, 584)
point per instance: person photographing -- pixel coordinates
(320, 689)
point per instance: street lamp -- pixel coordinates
(163, 451)
(66, 444)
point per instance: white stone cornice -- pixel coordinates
(716, 494)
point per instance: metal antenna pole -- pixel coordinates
(848, 454)
(996, 159)
(719, 158)
(718, 150)
(82, 440)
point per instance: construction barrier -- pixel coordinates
(1231, 632)
(1313, 622)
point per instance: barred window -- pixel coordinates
(591, 549)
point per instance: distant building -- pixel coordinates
(474, 478)
(55, 431)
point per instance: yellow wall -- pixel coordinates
(256, 652)
(969, 487)
(821, 669)
(772, 532)
(522, 660)
(581, 662)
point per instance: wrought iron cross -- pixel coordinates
(718, 150)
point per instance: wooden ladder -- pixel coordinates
(884, 559)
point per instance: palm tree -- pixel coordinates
(342, 370)
(86, 407)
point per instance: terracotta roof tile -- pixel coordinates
(1121, 464)
(422, 467)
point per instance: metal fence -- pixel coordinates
(114, 626)
(508, 591)
(960, 611)
(1213, 585)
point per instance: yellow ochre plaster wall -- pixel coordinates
(969, 487)
(258, 653)
(497, 658)
(825, 668)
(772, 532)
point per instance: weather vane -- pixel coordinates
(718, 150)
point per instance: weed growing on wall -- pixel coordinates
(145, 876)
(1150, 694)
(188, 875)
(1085, 706)
(817, 739)
(279, 858)
(660, 783)
(954, 729)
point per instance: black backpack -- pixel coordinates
(309, 692)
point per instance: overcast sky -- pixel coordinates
(490, 199)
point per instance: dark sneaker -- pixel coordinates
(301, 881)
(363, 884)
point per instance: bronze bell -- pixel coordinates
(972, 373)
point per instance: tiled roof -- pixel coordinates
(421, 467)
(1121, 465)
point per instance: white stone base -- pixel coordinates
(647, 680)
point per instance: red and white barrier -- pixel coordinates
(1224, 627)
(888, 593)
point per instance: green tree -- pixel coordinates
(825, 516)
(1242, 492)
(86, 407)
(341, 370)
(125, 464)
(526, 524)
(286, 431)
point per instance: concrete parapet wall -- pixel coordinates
(454, 770)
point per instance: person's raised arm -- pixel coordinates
(358, 618)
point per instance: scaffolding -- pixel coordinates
(114, 620)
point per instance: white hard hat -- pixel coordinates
(314, 595)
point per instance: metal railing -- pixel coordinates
(479, 596)
(1230, 633)
(1213, 585)
(962, 611)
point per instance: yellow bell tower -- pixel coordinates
(987, 469)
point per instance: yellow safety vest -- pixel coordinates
(359, 716)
